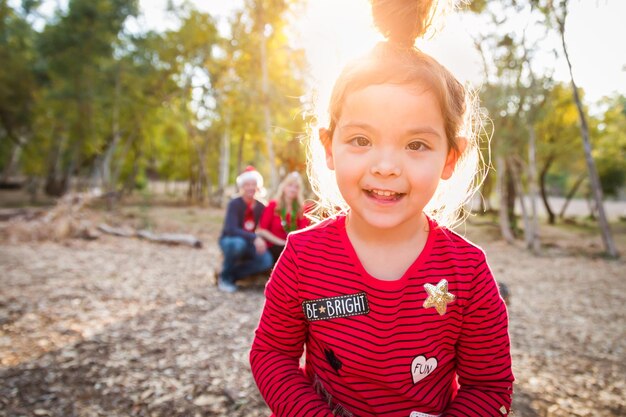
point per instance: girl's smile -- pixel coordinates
(384, 196)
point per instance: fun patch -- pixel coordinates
(336, 307)
(422, 367)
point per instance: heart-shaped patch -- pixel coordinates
(422, 367)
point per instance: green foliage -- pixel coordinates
(558, 135)
(85, 97)
(18, 82)
(77, 67)
(241, 96)
(521, 96)
(475, 6)
(610, 146)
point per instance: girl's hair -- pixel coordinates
(398, 61)
(280, 192)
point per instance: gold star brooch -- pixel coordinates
(438, 296)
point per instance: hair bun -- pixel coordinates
(402, 21)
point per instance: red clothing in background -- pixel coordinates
(372, 348)
(271, 221)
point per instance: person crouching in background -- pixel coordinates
(245, 252)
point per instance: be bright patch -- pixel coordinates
(336, 307)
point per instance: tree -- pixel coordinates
(558, 12)
(610, 145)
(18, 86)
(513, 94)
(191, 52)
(87, 99)
(75, 49)
(552, 14)
(559, 150)
(265, 102)
(139, 115)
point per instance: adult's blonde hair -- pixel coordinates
(291, 178)
(398, 61)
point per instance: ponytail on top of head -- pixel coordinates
(397, 61)
(401, 22)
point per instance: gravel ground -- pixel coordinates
(124, 327)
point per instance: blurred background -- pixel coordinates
(118, 94)
(124, 115)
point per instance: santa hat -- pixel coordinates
(250, 174)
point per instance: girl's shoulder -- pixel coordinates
(319, 230)
(455, 241)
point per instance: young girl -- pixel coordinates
(283, 215)
(400, 316)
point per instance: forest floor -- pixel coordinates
(125, 327)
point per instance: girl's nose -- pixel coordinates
(386, 164)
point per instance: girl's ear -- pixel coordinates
(453, 157)
(326, 140)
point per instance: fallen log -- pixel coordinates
(116, 231)
(25, 214)
(60, 222)
(171, 238)
(165, 238)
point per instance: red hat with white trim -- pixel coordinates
(250, 173)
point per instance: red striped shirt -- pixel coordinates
(394, 359)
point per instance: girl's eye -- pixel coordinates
(361, 141)
(416, 146)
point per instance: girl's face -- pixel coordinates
(291, 190)
(389, 151)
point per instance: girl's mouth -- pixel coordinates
(384, 195)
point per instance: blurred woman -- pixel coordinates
(283, 214)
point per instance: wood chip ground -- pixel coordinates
(126, 327)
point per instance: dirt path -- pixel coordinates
(125, 327)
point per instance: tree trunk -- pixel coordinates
(10, 169)
(116, 164)
(594, 179)
(516, 180)
(72, 170)
(266, 100)
(544, 191)
(202, 179)
(130, 182)
(534, 244)
(107, 179)
(505, 225)
(56, 184)
(223, 174)
(571, 194)
(242, 140)
(510, 197)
